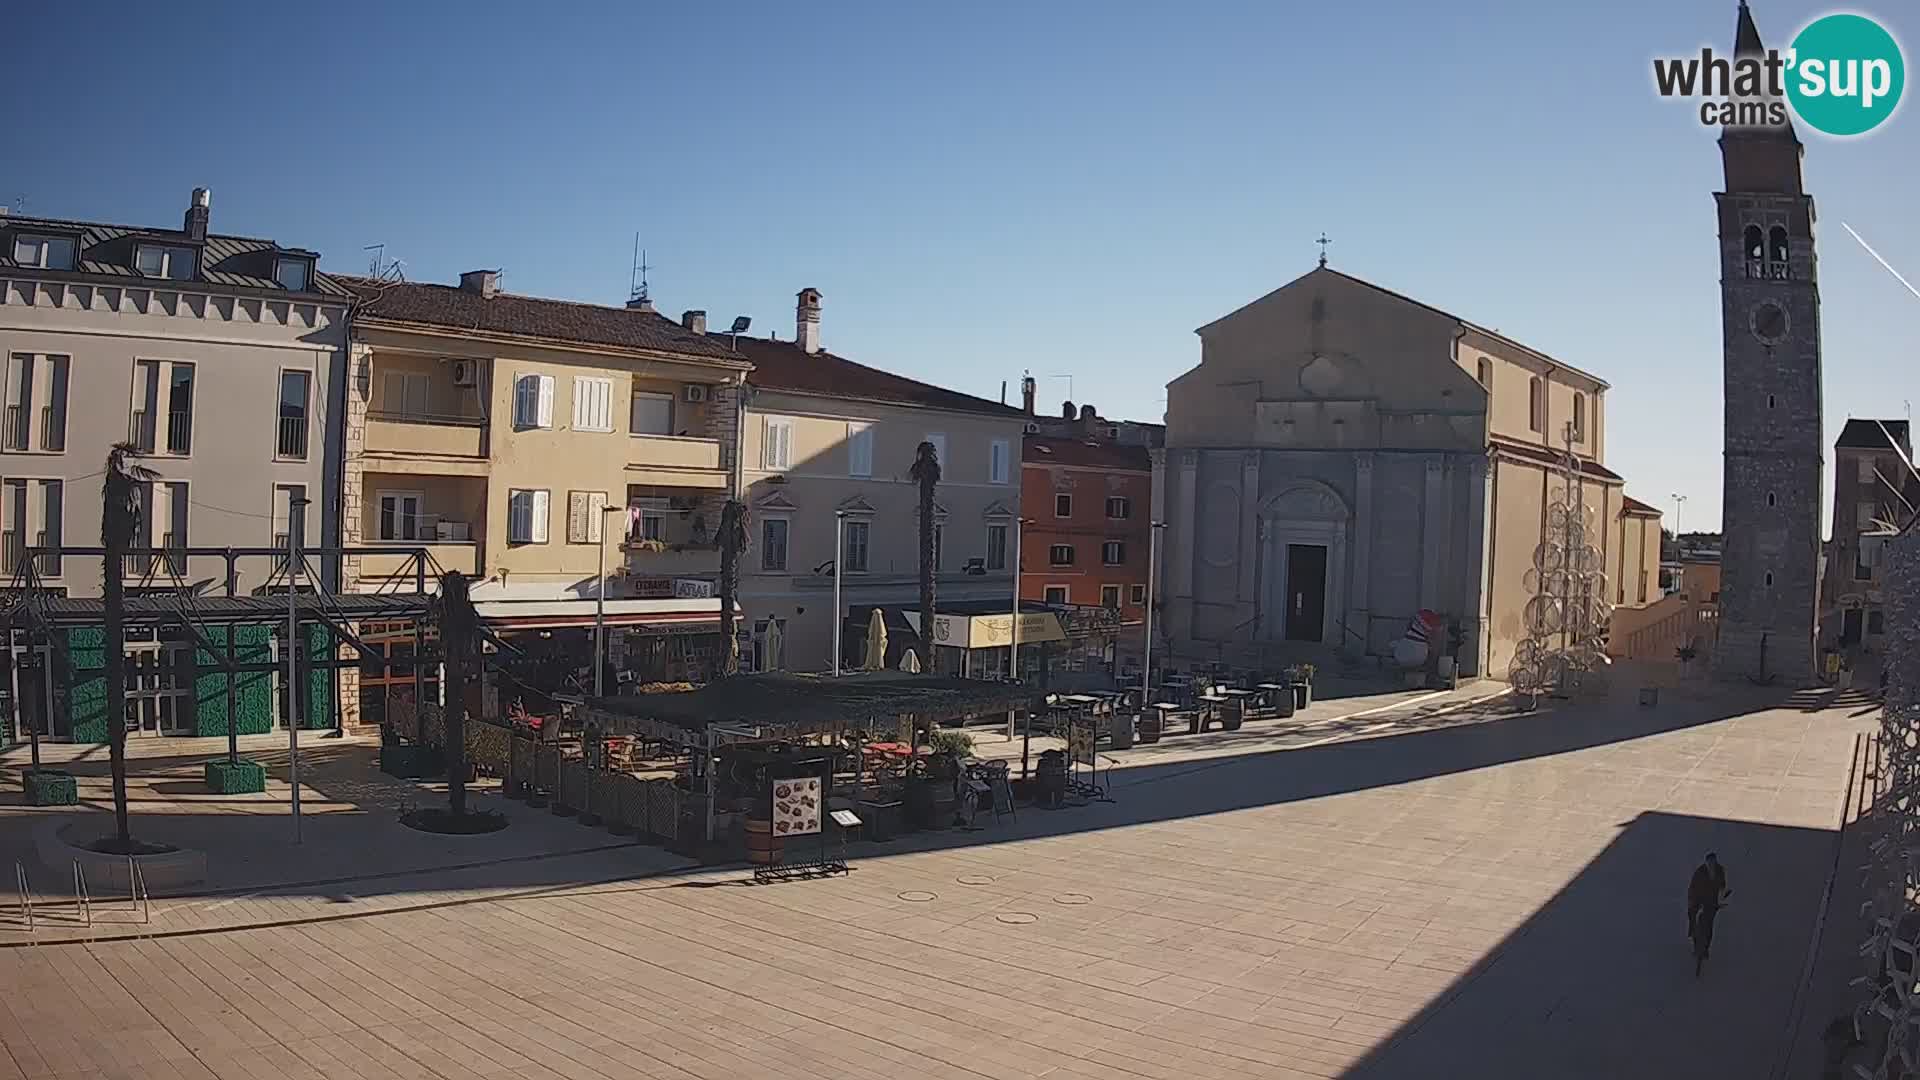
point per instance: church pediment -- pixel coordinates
(776, 501)
(996, 510)
(856, 507)
(1305, 502)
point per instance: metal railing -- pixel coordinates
(140, 430)
(14, 436)
(395, 416)
(47, 563)
(293, 437)
(53, 437)
(12, 546)
(180, 431)
(1767, 270)
(176, 556)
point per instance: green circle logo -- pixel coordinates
(1845, 75)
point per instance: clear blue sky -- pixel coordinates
(982, 189)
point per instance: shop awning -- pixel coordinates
(666, 616)
(992, 631)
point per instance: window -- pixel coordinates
(1119, 507)
(1862, 565)
(650, 414)
(30, 377)
(162, 419)
(180, 408)
(856, 546)
(163, 261)
(1110, 596)
(400, 515)
(1770, 499)
(533, 402)
(1863, 514)
(1876, 622)
(1769, 401)
(773, 543)
(653, 516)
(1056, 594)
(1777, 244)
(1060, 555)
(586, 510)
(592, 404)
(527, 516)
(37, 527)
(1769, 579)
(292, 441)
(404, 393)
(1868, 474)
(996, 547)
(1579, 417)
(1536, 405)
(43, 252)
(1137, 594)
(1063, 506)
(1643, 586)
(997, 459)
(939, 546)
(939, 441)
(1486, 373)
(859, 450)
(285, 521)
(1754, 243)
(294, 275)
(1113, 553)
(776, 444)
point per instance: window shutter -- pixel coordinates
(859, 451)
(541, 510)
(394, 388)
(576, 517)
(596, 515)
(581, 389)
(544, 414)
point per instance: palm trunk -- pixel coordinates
(456, 633)
(115, 649)
(926, 568)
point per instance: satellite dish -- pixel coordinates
(740, 324)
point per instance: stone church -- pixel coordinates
(1345, 456)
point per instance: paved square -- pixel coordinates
(1433, 889)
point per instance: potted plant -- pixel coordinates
(1300, 677)
(1685, 653)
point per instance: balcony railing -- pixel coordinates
(180, 431)
(12, 546)
(176, 556)
(421, 433)
(47, 563)
(140, 431)
(14, 437)
(53, 436)
(293, 437)
(1767, 270)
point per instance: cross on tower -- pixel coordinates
(1323, 242)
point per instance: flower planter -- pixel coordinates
(236, 777)
(49, 787)
(409, 762)
(1150, 726)
(1302, 695)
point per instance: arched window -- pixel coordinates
(1536, 405)
(1769, 401)
(1769, 579)
(1777, 244)
(1755, 245)
(1769, 498)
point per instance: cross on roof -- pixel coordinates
(1323, 242)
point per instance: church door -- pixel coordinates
(1306, 591)
(1850, 627)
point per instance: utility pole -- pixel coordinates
(296, 516)
(456, 638)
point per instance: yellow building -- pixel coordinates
(1344, 457)
(530, 443)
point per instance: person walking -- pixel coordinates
(1706, 892)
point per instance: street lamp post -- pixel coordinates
(1013, 652)
(1146, 656)
(600, 606)
(839, 613)
(1679, 504)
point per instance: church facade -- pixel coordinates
(1344, 457)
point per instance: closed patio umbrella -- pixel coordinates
(910, 663)
(876, 642)
(775, 646)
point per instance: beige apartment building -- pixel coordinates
(826, 447)
(1345, 457)
(218, 357)
(534, 444)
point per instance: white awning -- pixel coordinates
(688, 615)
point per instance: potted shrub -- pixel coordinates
(1300, 677)
(1685, 653)
(49, 787)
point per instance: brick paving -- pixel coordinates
(1426, 890)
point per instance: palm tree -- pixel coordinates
(456, 635)
(926, 471)
(733, 541)
(119, 525)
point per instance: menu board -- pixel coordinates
(796, 807)
(1080, 741)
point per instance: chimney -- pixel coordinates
(484, 282)
(1066, 410)
(695, 321)
(640, 303)
(1027, 388)
(806, 320)
(195, 225)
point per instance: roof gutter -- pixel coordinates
(658, 355)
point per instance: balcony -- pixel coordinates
(292, 443)
(409, 434)
(675, 461)
(464, 557)
(649, 559)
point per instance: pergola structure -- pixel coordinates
(784, 706)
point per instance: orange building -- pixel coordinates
(1088, 508)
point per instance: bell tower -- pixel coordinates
(1774, 464)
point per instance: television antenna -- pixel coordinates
(637, 280)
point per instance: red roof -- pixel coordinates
(785, 366)
(1045, 450)
(453, 308)
(1631, 505)
(1537, 453)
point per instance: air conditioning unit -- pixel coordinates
(465, 372)
(976, 568)
(693, 393)
(1033, 429)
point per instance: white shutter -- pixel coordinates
(546, 401)
(576, 517)
(541, 509)
(596, 515)
(603, 405)
(582, 389)
(859, 450)
(776, 444)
